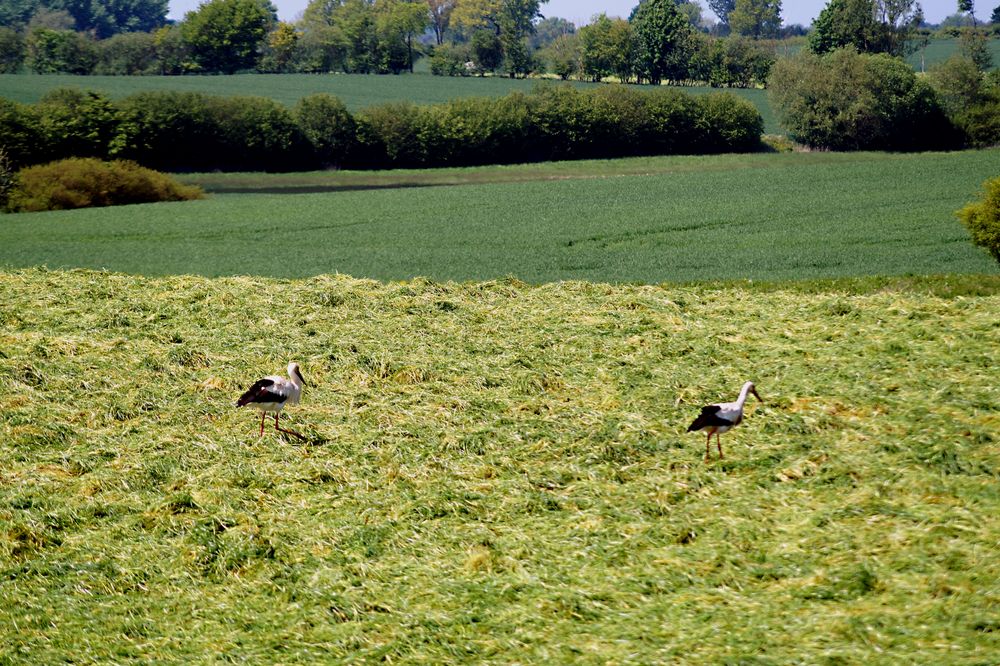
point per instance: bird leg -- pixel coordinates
(708, 443)
(718, 442)
(290, 432)
(262, 415)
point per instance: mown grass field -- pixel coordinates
(497, 473)
(357, 91)
(763, 217)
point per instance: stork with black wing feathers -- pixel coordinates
(722, 417)
(272, 393)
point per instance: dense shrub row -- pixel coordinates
(856, 101)
(87, 182)
(847, 100)
(180, 131)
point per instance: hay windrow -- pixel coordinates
(495, 472)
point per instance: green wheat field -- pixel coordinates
(784, 216)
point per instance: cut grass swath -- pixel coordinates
(497, 473)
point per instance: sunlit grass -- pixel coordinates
(497, 472)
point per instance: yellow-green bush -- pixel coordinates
(982, 218)
(89, 182)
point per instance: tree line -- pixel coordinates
(662, 40)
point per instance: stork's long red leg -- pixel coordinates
(290, 432)
(708, 443)
(718, 442)
(262, 415)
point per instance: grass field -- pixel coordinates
(792, 216)
(924, 57)
(357, 91)
(939, 50)
(497, 473)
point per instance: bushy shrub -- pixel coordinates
(21, 134)
(328, 126)
(562, 120)
(982, 218)
(480, 130)
(76, 124)
(970, 98)
(399, 134)
(177, 131)
(731, 123)
(449, 60)
(168, 130)
(60, 51)
(850, 101)
(556, 122)
(674, 126)
(128, 53)
(88, 182)
(256, 133)
(11, 51)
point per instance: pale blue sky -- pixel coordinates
(580, 11)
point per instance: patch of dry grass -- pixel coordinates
(496, 473)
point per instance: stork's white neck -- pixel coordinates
(744, 392)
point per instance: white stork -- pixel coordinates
(719, 418)
(272, 393)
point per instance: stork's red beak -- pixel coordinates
(756, 395)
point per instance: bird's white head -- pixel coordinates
(750, 388)
(295, 374)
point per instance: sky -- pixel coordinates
(580, 11)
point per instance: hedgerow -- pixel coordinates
(178, 131)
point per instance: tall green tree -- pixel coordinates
(722, 9)
(102, 18)
(870, 26)
(60, 51)
(11, 51)
(519, 15)
(757, 19)
(563, 55)
(440, 17)
(282, 46)
(692, 11)
(105, 18)
(487, 50)
(974, 45)
(354, 21)
(399, 23)
(663, 41)
(468, 16)
(969, 7)
(15, 14)
(226, 35)
(596, 49)
(606, 48)
(127, 54)
(549, 30)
